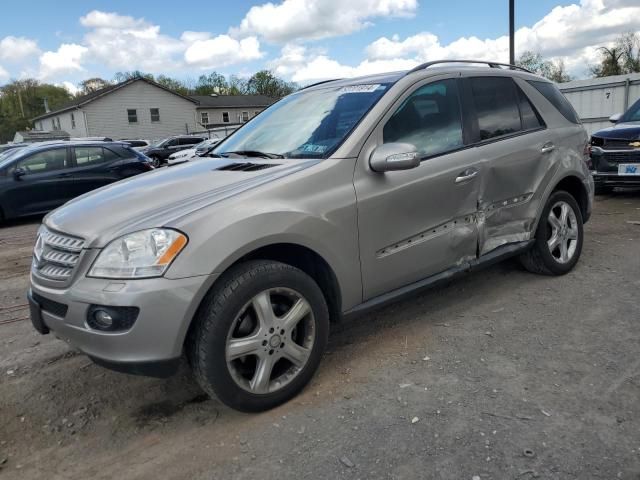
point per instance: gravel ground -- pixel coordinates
(500, 375)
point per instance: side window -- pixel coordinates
(225, 117)
(110, 155)
(557, 99)
(429, 119)
(245, 116)
(190, 141)
(155, 114)
(46, 161)
(531, 120)
(171, 143)
(204, 118)
(496, 106)
(86, 156)
(132, 115)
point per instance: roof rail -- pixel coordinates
(490, 64)
(320, 83)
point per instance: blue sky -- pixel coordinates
(301, 40)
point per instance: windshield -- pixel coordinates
(307, 124)
(633, 114)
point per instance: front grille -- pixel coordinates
(618, 144)
(56, 255)
(622, 157)
(54, 308)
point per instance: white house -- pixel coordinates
(141, 108)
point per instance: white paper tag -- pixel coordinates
(359, 88)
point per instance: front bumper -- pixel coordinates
(612, 179)
(155, 339)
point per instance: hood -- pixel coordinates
(157, 198)
(623, 131)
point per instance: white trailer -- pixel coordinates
(596, 99)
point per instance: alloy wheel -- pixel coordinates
(270, 340)
(563, 232)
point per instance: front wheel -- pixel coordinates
(156, 162)
(559, 237)
(259, 335)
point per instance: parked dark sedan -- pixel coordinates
(42, 177)
(160, 151)
(615, 152)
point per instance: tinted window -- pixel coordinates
(86, 156)
(551, 93)
(530, 117)
(46, 161)
(633, 114)
(429, 119)
(496, 106)
(190, 141)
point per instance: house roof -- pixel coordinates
(233, 101)
(90, 97)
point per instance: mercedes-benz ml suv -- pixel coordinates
(338, 198)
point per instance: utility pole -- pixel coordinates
(512, 48)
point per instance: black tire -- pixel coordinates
(156, 162)
(602, 190)
(207, 339)
(539, 259)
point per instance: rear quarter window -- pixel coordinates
(557, 99)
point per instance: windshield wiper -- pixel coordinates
(253, 153)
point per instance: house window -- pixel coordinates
(245, 116)
(132, 115)
(73, 121)
(204, 118)
(225, 117)
(155, 115)
(58, 120)
(53, 124)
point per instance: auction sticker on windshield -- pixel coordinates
(359, 88)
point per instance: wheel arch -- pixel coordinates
(574, 186)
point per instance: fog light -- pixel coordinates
(103, 319)
(111, 319)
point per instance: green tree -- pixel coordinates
(554, 71)
(266, 83)
(173, 84)
(212, 83)
(237, 86)
(124, 76)
(620, 58)
(22, 100)
(91, 85)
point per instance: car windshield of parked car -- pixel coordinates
(633, 114)
(307, 124)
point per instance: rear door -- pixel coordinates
(514, 149)
(94, 167)
(41, 187)
(416, 223)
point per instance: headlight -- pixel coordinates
(143, 254)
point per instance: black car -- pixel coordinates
(41, 177)
(160, 151)
(615, 152)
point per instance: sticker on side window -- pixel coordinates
(310, 147)
(359, 88)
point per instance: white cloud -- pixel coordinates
(315, 19)
(570, 33)
(4, 75)
(221, 51)
(67, 59)
(72, 88)
(15, 49)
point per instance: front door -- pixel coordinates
(419, 222)
(40, 186)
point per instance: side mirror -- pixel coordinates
(394, 156)
(19, 173)
(615, 118)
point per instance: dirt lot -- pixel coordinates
(501, 375)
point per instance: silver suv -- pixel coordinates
(336, 199)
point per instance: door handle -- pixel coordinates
(468, 174)
(547, 147)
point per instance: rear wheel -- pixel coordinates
(259, 335)
(156, 162)
(558, 240)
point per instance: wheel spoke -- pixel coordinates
(572, 233)
(241, 347)
(554, 221)
(564, 251)
(264, 310)
(295, 353)
(553, 242)
(297, 312)
(564, 214)
(262, 376)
